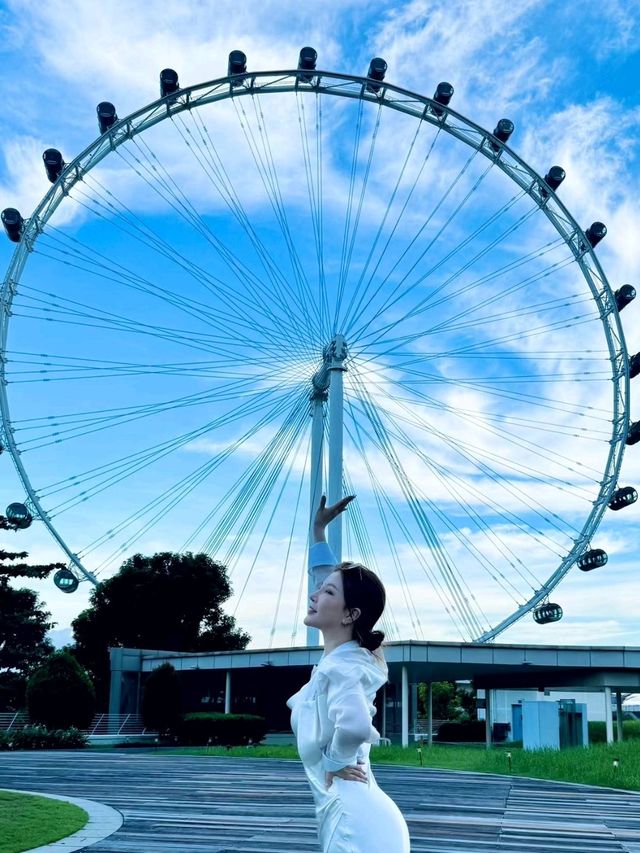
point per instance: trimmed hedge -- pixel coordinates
(39, 737)
(204, 728)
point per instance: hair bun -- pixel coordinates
(370, 640)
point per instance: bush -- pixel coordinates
(39, 737)
(161, 700)
(598, 730)
(201, 729)
(472, 732)
(60, 694)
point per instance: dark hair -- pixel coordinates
(364, 589)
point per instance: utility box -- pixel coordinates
(554, 725)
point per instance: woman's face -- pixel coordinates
(326, 605)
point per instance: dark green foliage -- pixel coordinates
(201, 729)
(161, 699)
(472, 732)
(450, 701)
(598, 730)
(60, 694)
(23, 627)
(39, 737)
(171, 602)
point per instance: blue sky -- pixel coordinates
(499, 447)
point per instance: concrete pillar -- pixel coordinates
(227, 693)
(608, 714)
(405, 706)
(384, 712)
(430, 713)
(488, 709)
(619, 725)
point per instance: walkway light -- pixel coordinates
(502, 132)
(442, 95)
(545, 613)
(13, 223)
(377, 70)
(624, 295)
(107, 116)
(595, 232)
(168, 82)
(593, 559)
(623, 497)
(19, 515)
(53, 164)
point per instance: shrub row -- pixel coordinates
(203, 728)
(39, 737)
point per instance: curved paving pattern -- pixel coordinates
(219, 805)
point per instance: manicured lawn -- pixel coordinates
(592, 766)
(28, 821)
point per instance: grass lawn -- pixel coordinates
(591, 766)
(28, 821)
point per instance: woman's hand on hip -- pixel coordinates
(351, 774)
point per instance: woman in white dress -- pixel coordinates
(331, 715)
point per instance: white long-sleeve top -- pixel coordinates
(332, 713)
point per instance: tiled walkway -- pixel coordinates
(217, 805)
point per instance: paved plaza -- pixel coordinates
(185, 804)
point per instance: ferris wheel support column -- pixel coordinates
(320, 382)
(335, 355)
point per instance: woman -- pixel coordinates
(331, 715)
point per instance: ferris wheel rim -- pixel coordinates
(419, 107)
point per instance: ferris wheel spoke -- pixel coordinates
(466, 541)
(113, 472)
(161, 506)
(212, 164)
(438, 552)
(395, 295)
(551, 458)
(263, 161)
(252, 288)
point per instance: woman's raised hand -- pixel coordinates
(326, 514)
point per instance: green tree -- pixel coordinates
(60, 693)
(23, 625)
(161, 699)
(449, 702)
(167, 601)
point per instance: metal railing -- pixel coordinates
(101, 724)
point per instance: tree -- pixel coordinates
(60, 693)
(168, 601)
(23, 625)
(449, 702)
(161, 699)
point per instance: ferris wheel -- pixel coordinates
(183, 297)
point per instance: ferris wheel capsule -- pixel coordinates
(624, 295)
(548, 612)
(592, 559)
(13, 222)
(168, 82)
(66, 581)
(377, 70)
(53, 164)
(623, 497)
(107, 116)
(442, 95)
(554, 177)
(634, 365)
(633, 436)
(595, 232)
(307, 62)
(237, 63)
(19, 515)
(502, 132)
